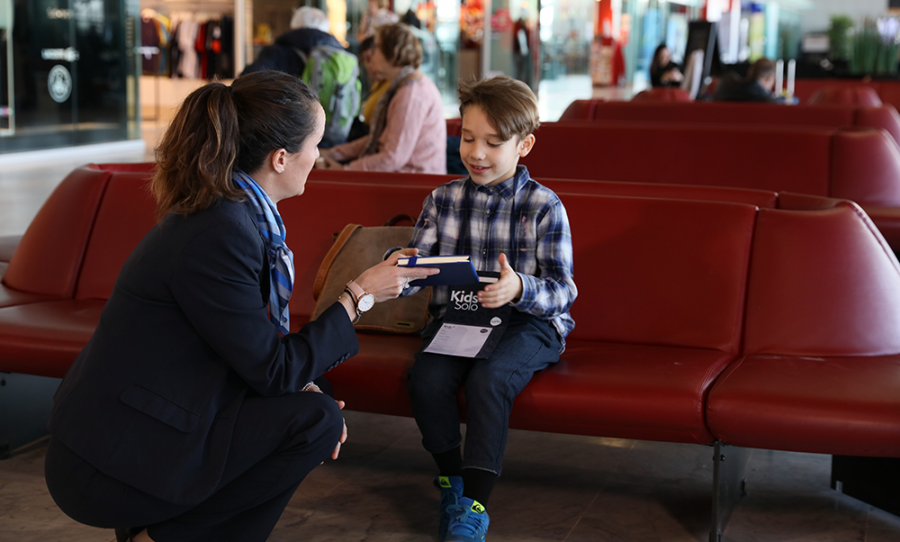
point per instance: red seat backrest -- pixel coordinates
(726, 113)
(454, 127)
(822, 283)
(785, 159)
(866, 167)
(850, 95)
(581, 109)
(662, 94)
(126, 214)
(48, 259)
(661, 272)
(884, 117)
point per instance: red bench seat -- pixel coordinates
(688, 309)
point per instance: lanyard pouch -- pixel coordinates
(468, 329)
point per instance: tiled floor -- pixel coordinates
(554, 487)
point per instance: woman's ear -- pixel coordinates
(525, 145)
(278, 160)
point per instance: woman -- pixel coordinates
(184, 413)
(664, 72)
(408, 133)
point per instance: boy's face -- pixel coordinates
(489, 159)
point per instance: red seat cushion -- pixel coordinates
(624, 391)
(600, 389)
(375, 380)
(833, 405)
(9, 297)
(44, 338)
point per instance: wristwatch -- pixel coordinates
(363, 300)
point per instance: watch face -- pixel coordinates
(366, 302)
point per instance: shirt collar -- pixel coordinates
(507, 188)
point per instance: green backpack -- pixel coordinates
(333, 74)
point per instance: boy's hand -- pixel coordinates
(503, 291)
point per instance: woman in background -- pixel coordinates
(408, 133)
(664, 72)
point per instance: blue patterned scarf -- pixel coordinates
(281, 259)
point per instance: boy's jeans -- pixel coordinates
(528, 345)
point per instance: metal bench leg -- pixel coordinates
(729, 485)
(25, 403)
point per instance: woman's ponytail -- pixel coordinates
(197, 153)
(220, 128)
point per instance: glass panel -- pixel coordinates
(72, 75)
(512, 43)
(567, 29)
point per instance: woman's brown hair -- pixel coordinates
(399, 45)
(220, 128)
(510, 106)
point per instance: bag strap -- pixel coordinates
(301, 54)
(325, 267)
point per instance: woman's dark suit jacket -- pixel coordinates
(152, 399)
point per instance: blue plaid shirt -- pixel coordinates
(542, 255)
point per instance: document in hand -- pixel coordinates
(455, 270)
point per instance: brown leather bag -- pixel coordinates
(355, 250)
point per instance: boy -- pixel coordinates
(509, 223)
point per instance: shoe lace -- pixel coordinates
(470, 523)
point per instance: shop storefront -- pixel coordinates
(67, 73)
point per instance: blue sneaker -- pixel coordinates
(470, 523)
(451, 490)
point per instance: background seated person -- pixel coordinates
(664, 72)
(408, 133)
(377, 86)
(756, 87)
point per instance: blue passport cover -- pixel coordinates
(451, 274)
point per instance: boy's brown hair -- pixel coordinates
(510, 106)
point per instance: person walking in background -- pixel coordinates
(309, 28)
(408, 131)
(377, 15)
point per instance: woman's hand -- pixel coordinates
(503, 291)
(337, 447)
(326, 160)
(386, 281)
